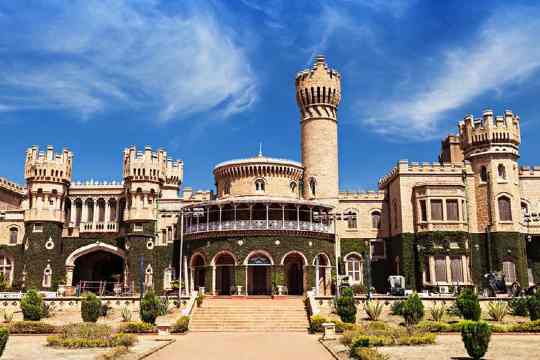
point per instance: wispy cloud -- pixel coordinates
(396, 8)
(90, 56)
(498, 55)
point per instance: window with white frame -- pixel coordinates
(440, 269)
(446, 269)
(377, 249)
(509, 271)
(38, 227)
(138, 227)
(376, 219)
(6, 268)
(259, 185)
(456, 269)
(350, 217)
(353, 268)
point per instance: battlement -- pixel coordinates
(489, 130)
(96, 183)
(11, 186)
(200, 195)
(319, 85)
(529, 171)
(404, 167)
(48, 165)
(152, 166)
(362, 195)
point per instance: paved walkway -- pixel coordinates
(244, 346)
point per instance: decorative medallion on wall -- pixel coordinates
(277, 242)
(49, 245)
(149, 244)
(240, 242)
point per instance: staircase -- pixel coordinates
(250, 315)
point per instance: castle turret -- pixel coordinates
(148, 176)
(48, 176)
(318, 94)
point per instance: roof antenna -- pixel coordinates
(260, 149)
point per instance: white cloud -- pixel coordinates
(90, 56)
(500, 54)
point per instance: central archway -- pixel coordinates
(224, 264)
(293, 265)
(259, 273)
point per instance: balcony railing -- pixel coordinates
(257, 225)
(98, 227)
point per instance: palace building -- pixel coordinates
(278, 225)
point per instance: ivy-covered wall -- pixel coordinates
(401, 252)
(510, 245)
(533, 256)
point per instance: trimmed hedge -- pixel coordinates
(31, 327)
(90, 307)
(150, 305)
(181, 325)
(476, 336)
(32, 305)
(137, 327)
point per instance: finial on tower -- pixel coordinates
(260, 149)
(319, 59)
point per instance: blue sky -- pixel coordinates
(210, 80)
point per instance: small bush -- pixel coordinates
(437, 311)
(529, 326)
(453, 310)
(181, 325)
(163, 307)
(104, 310)
(199, 300)
(497, 310)
(476, 336)
(32, 305)
(468, 304)
(90, 335)
(31, 327)
(346, 307)
(8, 315)
(359, 289)
(518, 306)
(90, 307)
(4, 335)
(48, 309)
(342, 326)
(126, 313)
(86, 330)
(373, 310)
(150, 307)
(396, 308)
(533, 305)
(433, 326)
(363, 353)
(315, 323)
(413, 310)
(121, 339)
(136, 327)
(349, 335)
(115, 353)
(418, 339)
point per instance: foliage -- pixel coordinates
(369, 354)
(90, 307)
(533, 305)
(163, 306)
(126, 340)
(497, 310)
(438, 311)
(48, 309)
(396, 307)
(468, 304)
(115, 353)
(136, 327)
(476, 336)
(104, 310)
(373, 310)
(345, 305)
(342, 326)
(31, 327)
(349, 335)
(8, 315)
(181, 325)
(453, 310)
(4, 335)
(150, 307)
(315, 323)
(359, 289)
(89, 335)
(126, 313)
(529, 326)
(518, 306)
(3, 284)
(413, 310)
(434, 326)
(85, 330)
(199, 299)
(418, 339)
(32, 305)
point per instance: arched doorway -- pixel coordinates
(259, 274)
(293, 265)
(323, 274)
(223, 273)
(198, 271)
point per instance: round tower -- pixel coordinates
(48, 176)
(318, 94)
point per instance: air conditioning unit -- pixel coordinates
(444, 290)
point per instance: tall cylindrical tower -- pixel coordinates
(318, 93)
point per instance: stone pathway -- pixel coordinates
(33, 348)
(244, 346)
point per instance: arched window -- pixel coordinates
(352, 222)
(6, 268)
(227, 188)
(524, 209)
(505, 209)
(13, 235)
(509, 271)
(292, 185)
(376, 220)
(501, 172)
(483, 174)
(353, 268)
(312, 187)
(259, 185)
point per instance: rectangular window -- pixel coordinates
(427, 269)
(377, 249)
(423, 210)
(351, 221)
(456, 268)
(37, 228)
(137, 227)
(440, 269)
(452, 211)
(509, 271)
(436, 210)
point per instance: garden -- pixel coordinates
(366, 328)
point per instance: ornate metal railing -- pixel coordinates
(257, 225)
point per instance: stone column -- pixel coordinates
(220, 213)
(267, 217)
(283, 216)
(107, 212)
(117, 217)
(73, 213)
(84, 216)
(96, 214)
(297, 217)
(69, 275)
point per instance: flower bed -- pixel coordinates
(90, 335)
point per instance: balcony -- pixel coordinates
(257, 225)
(441, 226)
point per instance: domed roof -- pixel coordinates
(259, 159)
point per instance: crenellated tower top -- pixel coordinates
(490, 134)
(318, 88)
(150, 166)
(48, 166)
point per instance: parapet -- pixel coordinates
(96, 183)
(529, 171)
(489, 130)
(200, 195)
(404, 167)
(319, 85)
(362, 195)
(48, 165)
(11, 186)
(152, 166)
